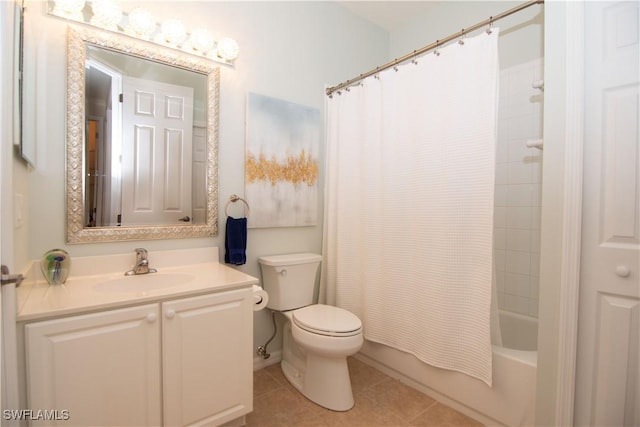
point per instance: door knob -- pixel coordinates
(185, 218)
(151, 317)
(10, 278)
(623, 271)
(170, 313)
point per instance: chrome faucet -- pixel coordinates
(142, 264)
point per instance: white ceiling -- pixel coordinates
(388, 14)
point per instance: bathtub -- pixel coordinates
(511, 399)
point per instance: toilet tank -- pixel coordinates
(289, 279)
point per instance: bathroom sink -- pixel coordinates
(144, 282)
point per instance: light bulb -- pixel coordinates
(70, 9)
(172, 32)
(228, 49)
(201, 41)
(141, 23)
(106, 14)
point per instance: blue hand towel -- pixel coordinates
(235, 241)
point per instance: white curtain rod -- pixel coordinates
(433, 45)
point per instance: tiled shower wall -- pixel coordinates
(518, 189)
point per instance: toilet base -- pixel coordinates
(321, 376)
(325, 381)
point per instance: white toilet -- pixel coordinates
(317, 338)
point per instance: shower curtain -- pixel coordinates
(409, 204)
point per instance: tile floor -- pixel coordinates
(380, 401)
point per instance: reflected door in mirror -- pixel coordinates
(96, 199)
(156, 152)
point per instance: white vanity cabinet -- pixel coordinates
(176, 362)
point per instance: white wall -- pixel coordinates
(558, 276)
(288, 50)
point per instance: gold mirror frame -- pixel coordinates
(78, 39)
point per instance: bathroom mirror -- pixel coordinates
(141, 140)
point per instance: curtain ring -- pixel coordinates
(461, 41)
(490, 25)
(435, 51)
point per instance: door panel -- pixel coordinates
(615, 383)
(619, 224)
(207, 362)
(104, 368)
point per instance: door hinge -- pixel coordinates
(121, 97)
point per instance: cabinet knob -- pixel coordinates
(623, 271)
(151, 317)
(170, 313)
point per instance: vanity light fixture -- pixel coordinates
(69, 9)
(141, 23)
(107, 14)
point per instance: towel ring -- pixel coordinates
(234, 198)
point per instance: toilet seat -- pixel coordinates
(327, 320)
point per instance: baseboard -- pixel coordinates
(260, 362)
(238, 422)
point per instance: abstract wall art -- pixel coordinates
(281, 163)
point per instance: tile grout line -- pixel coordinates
(427, 409)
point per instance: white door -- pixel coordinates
(207, 358)
(156, 152)
(608, 367)
(103, 368)
(8, 354)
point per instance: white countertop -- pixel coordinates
(37, 299)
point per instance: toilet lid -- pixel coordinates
(327, 320)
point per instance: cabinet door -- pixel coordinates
(207, 358)
(103, 368)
